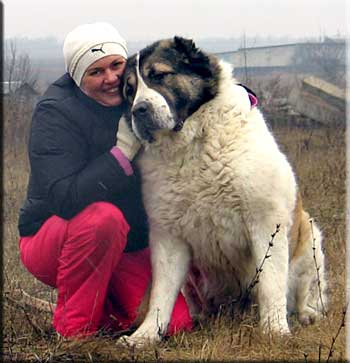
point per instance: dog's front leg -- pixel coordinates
(170, 263)
(272, 283)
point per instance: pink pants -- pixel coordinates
(98, 285)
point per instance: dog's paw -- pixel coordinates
(278, 330)
(126, 341)
(308, 316)
(137, 340)
(275, 327)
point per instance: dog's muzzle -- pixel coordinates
(141, 110)
(144, 120)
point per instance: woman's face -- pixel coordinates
(101, 81)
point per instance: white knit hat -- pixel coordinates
(88, 43)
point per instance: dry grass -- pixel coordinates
(318, 157)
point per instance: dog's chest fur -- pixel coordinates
(197, 184)
(191, 199)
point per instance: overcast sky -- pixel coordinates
(154, 19)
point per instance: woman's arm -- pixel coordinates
(58, 152)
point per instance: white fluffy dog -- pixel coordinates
(215, 186)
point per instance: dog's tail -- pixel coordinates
(307, 273)
(305, 236)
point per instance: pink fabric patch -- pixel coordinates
(122, 160)
(253, 100)
(252, 96)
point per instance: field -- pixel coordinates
(318, 158)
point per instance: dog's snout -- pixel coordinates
(141, 109)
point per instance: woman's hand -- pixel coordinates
(127, 142)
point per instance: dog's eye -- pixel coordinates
(159, 76)
(129, 90)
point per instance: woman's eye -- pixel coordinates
(94, 72)
(117, 64)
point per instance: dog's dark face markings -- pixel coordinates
(165, 83)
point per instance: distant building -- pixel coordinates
(22, 91)
(310, 75)
(10, 87)
(313, 58)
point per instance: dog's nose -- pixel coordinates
(141, 109)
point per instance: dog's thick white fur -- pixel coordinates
(214, 193)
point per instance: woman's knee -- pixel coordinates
(41, 252)
(108, 222)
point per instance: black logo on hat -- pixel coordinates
(98, 49)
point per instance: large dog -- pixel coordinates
(215, 186)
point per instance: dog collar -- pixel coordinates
(252, 96)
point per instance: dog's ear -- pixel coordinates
(186, 46)
(193, 56)
(122, 85)
(128, 80)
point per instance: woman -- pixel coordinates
(83, 227)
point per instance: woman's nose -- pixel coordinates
(111, 75)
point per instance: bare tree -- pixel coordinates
(17, 67)
(18, 105)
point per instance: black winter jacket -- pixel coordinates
(71, 164)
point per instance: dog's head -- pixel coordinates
(165, 83)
